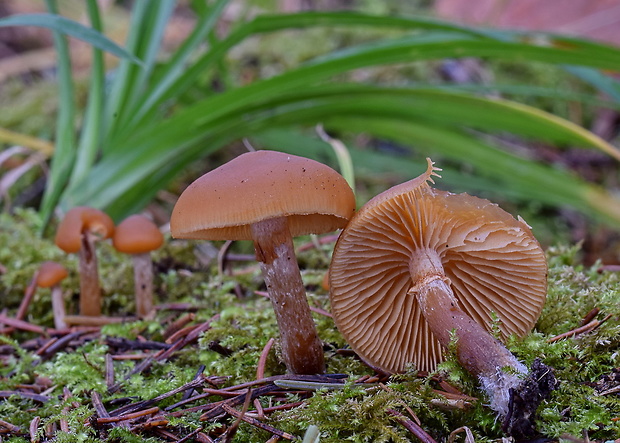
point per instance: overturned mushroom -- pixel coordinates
(417, 267)
(138, 236)
(269, 197)
(77, 232)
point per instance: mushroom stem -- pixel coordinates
(58, 307)
(479, 352)
(143, 280)
(301, 347)
(90, 292)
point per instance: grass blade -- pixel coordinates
(88, 145)
(150, 154)
(63, 25)
(64, 152)
(176, 66)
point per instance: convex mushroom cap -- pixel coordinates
(50, 274)
(79, 220)
(255, 186)
(399, 240)
(137, 235)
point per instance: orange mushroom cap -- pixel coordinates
(493, 263)
(78, 220)
(137, 235)
(50, 274)
(222, 204)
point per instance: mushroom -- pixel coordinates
(77, 232)
(138, 236)
(49, 276)
(417, 268)
(269, 197)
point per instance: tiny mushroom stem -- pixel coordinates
(78, 232)
(138, 236)
(50, 275)
(269, 197)
(417, 267)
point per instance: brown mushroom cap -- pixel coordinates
(137, 235)
(79, 220)
(50, 274)
(493, 262)
(255, 186)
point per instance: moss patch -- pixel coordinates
(241, 323)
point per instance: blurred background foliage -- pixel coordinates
(525, 118)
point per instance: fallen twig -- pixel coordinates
(589, 327)
(411, 426)
(262, 361)
(257, 423)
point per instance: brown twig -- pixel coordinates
(87, 320)
(61, 343)
(64, 423)
(98, 405)
(179, 324)
(31, 289)
(411, 426)
(109, 370)
(22, 325)
(262, 361)
(256, 423)
(589, 327)
(232, 430)
(589, 316)
(33, 428)
(13, 429)
(130, 416)
(28, 395)
(190, 435)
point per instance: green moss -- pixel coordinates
(243, 322)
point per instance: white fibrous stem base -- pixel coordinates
(478, 351)
(143, 281)
(90, 291)
(301, 347)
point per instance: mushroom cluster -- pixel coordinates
(418, 268)
(78, 232)
(269, 197)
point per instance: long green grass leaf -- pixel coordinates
(126, 74)
(176, 66)
(151, 154)
(63, 25)
(90, 138)
(273, 23)
(64, 152)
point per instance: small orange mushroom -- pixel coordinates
(417, 267)
(138, 236)
(77, 232)
(269, 197)
(49, 276)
